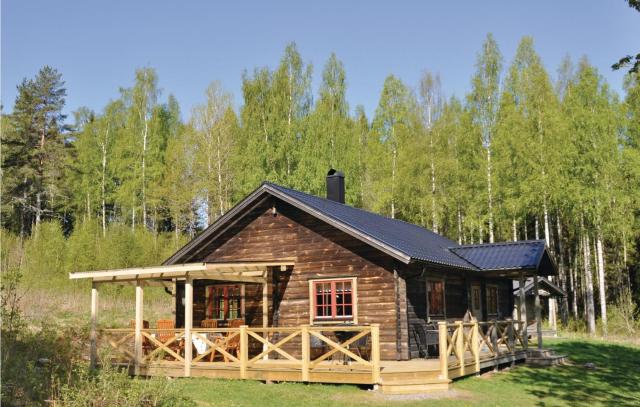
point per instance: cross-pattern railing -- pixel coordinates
(248, 348)
(464, 345)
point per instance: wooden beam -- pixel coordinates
(375, 353)
(522, 309)
(188, 324)
(94, 322)
(137, 271)
(306, 351)
(443, 345)
(252, 272)
(138, 327)
(244, 351)
(265, 313)
(538, 310)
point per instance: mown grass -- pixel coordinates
(614, 381)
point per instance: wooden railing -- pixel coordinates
(247, 348)
(464, 345)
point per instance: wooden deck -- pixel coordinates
(466, 349)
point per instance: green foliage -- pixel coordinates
(33, 156)
(112, 387)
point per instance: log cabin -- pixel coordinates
(285, 283)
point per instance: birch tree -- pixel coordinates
(484, 101)
(213, 138)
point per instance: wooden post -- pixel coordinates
(138, 327)
(494, 337)
(188, 324)
(265, 313)
(460, 350)
(522, 311)
(442, 346)
(94, 324)
(475, 345)
(375, 353)
(244, 351)
(494, 343)
(306, 352)
(512, 342)
(538, 311)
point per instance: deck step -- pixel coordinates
(428, 386)
(545, 357)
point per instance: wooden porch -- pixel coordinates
(322, 354)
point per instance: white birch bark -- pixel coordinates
(490, 194)
(588, 280)
(601, 281)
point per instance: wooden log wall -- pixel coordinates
(319, 251)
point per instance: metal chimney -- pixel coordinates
(335, 186)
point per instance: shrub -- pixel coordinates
(110, 386)
(623, 316)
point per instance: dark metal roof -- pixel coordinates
(500, 256)
(543, 284)
(402, 240)
(416, 242)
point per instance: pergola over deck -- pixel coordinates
(242, 272)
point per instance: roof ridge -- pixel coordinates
(517, 242)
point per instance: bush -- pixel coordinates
(110, 386)
(624, 316)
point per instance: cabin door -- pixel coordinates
(476, 303)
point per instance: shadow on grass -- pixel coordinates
(614, 381)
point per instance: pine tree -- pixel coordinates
(34, 156)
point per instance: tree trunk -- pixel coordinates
(588, 280)
(459, 226)
(514, 229)
(219, 167)
(601, 281)
(434, 221)
(547, 234)
(490, 196)
(144, 151)
(103, 186)
(393, 182)
(573, 287)
(564, 308)
(38, 208)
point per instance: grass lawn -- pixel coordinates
(615, 381)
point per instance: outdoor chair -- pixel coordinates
(231, 345)
(212, 336)
(166, 331)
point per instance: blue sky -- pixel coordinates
(97, 45)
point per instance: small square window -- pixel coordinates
(333, 300)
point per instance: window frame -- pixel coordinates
(443, 315)
(488, 289)
(227, 301)
(314, 320)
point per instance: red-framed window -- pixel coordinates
(223, 302)
(435, 289)
(333, 300)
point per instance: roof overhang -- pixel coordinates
(247, 272)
